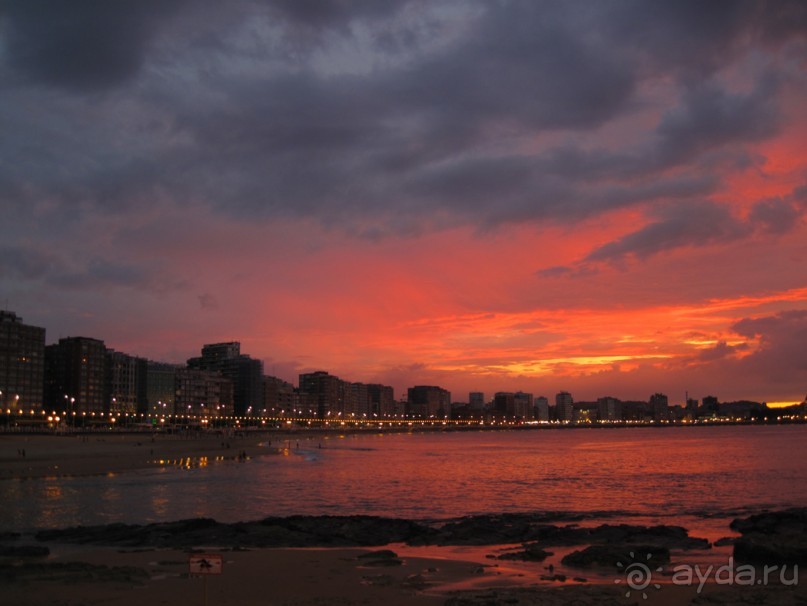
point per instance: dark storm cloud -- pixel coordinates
(333, 13)
(26, 263)
(689, 224)
(81, 44)
(720, 351)
(709, 117)
(780, 355)
(220, 109)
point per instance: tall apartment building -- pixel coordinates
(326, 390)
(358, 403)
(429, 401)
(503, 403)
(659, 406)
(564, 406)
(541, 408)
(476, 400)
(382, 400)
(161, 387)
(125, 384)
(75, 375)
(609, 409)
(522, 406)
(202, 393)
(22, 363)
(279, 397)
(245, 373)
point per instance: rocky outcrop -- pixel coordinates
(617, 556)
(773, 538)
(368, 531)
(294, 531)
(531, 552)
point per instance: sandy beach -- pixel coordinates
(111, 452)
(321, 577)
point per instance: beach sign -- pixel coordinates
(205, 563)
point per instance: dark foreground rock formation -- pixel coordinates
(617, 556)
(370, 531)
(774, 538)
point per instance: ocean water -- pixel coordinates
(667, 475)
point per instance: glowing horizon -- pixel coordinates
(480, 196)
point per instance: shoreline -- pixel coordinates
(106, 566)
(110, 452)
(29, 456)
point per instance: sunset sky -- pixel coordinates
(608, 198)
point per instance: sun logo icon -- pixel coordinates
(638, 576)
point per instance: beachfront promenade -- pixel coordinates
(41, 421)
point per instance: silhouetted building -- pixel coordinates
(709, 406)
(125, 387)
(659, 407)
(215, 355)
(609, 409)
(564, 406)
(245, 373)
(203, 393)
(279, 397)
(476, 400)
(429, 401)
(541, 408)
(743, 410)
(22, 363)
(327, 392)
(75, 375)
(522, 406)
(503, 404)
(161, 387)
(382, 400)
(513, 405)
(636, 410)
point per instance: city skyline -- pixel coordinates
(608, 200)
(219, 357)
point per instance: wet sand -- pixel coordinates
(308, 577)
(112, 452)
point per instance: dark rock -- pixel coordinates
(356, 531)
(772, 522)
(614, 555)
(383, 562)
(377, 555)
(24, 551)
(531, 553)
(773, 538)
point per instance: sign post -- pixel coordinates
(205, 564)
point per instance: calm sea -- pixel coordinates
(659, 474)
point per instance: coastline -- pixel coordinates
(306, 560)
(78, 454)
(118, 564)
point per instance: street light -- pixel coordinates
(70, 401)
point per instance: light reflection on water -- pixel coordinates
(647, 472)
